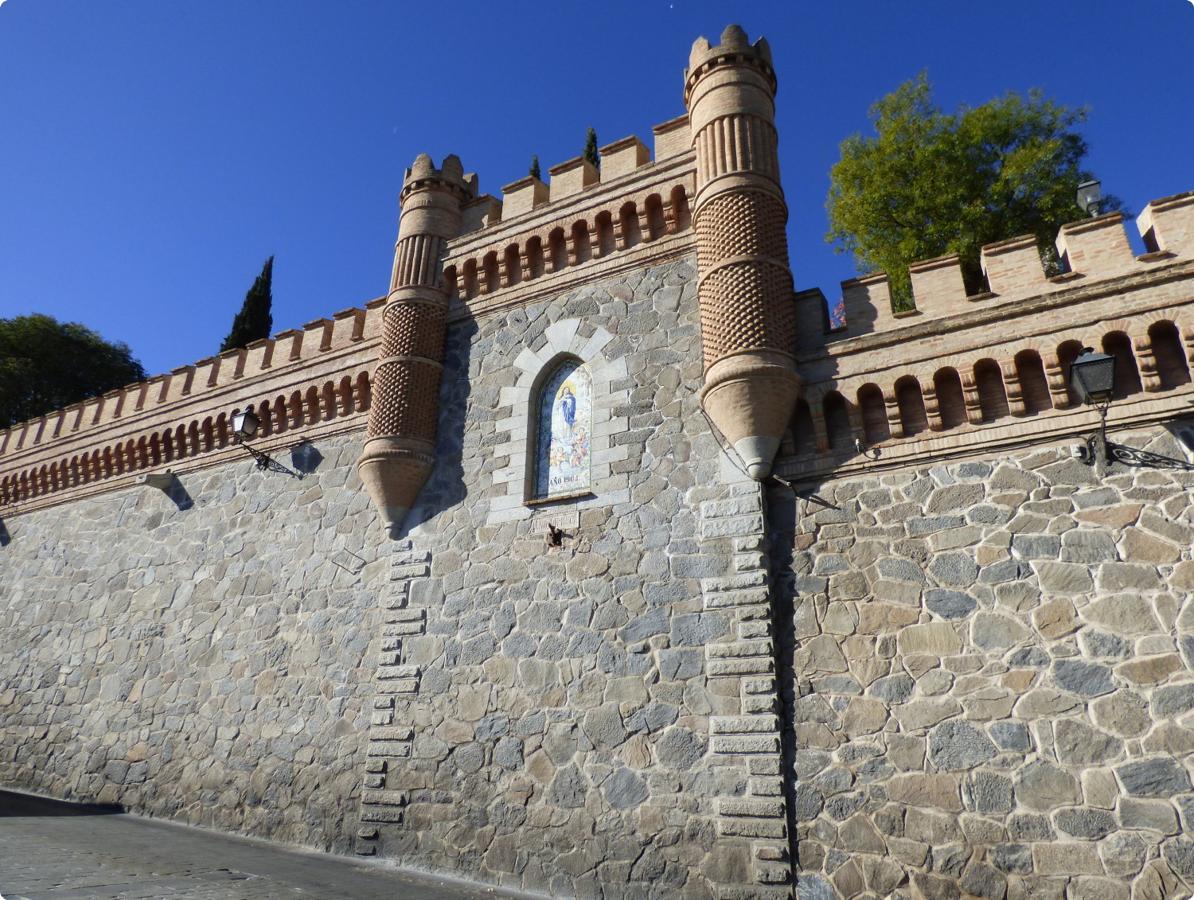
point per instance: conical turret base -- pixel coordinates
(393, 471)
(750, 398)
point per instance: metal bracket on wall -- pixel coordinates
(1097, 447)
(267, 463)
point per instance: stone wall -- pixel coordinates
(991, 679)
(547, 718)
(202, 663)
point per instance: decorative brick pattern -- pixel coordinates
(396, 685)
(750, 737)
(748, 322)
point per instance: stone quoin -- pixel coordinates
(814, 612)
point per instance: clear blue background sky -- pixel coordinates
(153, 152)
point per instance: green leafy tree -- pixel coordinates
(591, 153)
(46, 365)
(534, 170)
(930, 183)
(254, 320)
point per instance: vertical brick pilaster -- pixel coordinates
(395, 689)
(749, 738)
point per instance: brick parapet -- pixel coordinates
(635, 215)
(1025, 339)
(303, 383)
(1094, 249)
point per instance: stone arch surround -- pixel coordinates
(565, 338)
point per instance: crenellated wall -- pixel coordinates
(303, 383)
(957, 661)
(963, 374)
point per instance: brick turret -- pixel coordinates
(400, 443)
(748, 321)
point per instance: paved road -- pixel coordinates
(61, 851)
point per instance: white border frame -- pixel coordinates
(563, 341)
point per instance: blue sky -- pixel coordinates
(153, 153)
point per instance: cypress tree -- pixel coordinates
(591, 149)
(254, 320)
(534, 170)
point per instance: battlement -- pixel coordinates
(568, 180)
(963, 373)
(317, 375)
(734, 45)
(544, 236)
(1095, 249)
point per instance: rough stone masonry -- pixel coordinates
(834, 612)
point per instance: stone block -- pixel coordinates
(1066, 859)
(1063, 577)
(1158, 777)
(932, 791)
(937, 638)
(1149, 815)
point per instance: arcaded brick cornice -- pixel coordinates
(302, 383)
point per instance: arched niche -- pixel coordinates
(562, 431)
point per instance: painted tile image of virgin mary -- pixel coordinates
(565, 421)
(568, 407)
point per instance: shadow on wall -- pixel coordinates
(782, 511)
(167, 482)
(446, 486)
(305, 458)
(27, 806)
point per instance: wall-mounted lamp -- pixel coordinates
(245, 424)
(244, 428)
(1090, 196)
(1092, 376)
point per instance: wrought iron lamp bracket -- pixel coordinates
(267, 463)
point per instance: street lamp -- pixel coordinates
(1092, 376)
(244, 428)
(244, 425)
(1089, 197)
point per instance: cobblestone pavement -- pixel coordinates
(58, 851)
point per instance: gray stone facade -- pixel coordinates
(990, 679)
(596, 719)
(202, 663)
(544, 716)
(982, 685)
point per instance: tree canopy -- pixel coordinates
(46, 365)
(254, 321)
(930, 183)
